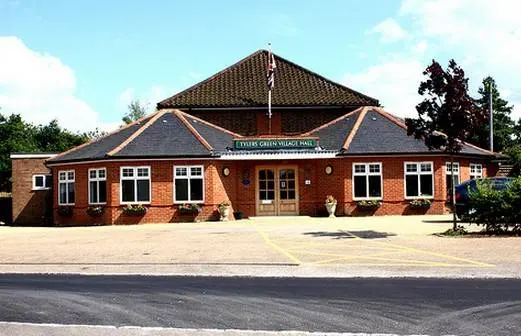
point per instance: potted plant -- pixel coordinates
(224, 210)
(331, 205)
(95, 210)
(135, 210)
(65, 211)
(369, 204)
(420, 203)
(189, 208)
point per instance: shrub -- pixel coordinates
(135, 210)
(460, 231)
(95, 210)
(189, 208)
(65, 211)
(420, 203)
(369, 204)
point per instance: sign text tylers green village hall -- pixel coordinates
(288, 143)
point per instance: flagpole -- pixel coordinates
(269, 94)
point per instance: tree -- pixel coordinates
(136, 111)
(514, 158)
(446, 114)
(503, 124)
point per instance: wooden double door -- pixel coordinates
(277, 190)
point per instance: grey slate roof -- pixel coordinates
(219, 140)
(167, 136)
(333, 136)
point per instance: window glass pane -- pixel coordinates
(128, 172)
(181, 190)
(271, 195)
(196, 189)
(62, 176)
(291, 174)
(271, 184)
(92, 174)
(375, 186)
(411, 168)
(283, 194)
(263, 194)
(359, 168)
(360, 185)
(291, 184)
(70, 175)
(39, 181)
(426, 185)
(48, 181)
(143, 190)
(262, 174)
(70, 189)
(142, 172)
(411, 185)
(374, 168)
(102, 186)
(282, 174)
(291, 194)
(181, 171)
(127, 191)
(270, 174)
(196, 171)
(426, 167)
(101, 173)
(262, 185)
(63, 193)
(93, 198)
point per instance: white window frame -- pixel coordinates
(45, 178)
(135, 178)
(97, 179)
(367, 174)
(419, 173)
(188, 177)
(457, 172)
(475, 166)
(67, 181)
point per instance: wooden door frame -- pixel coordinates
(277, 168)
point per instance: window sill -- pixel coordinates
(39, 189)
(98, 203)
(69, 204)
(368, 199)
(134, 203)
(419, 197)
(188, 202)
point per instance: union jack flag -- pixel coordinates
(271, 70)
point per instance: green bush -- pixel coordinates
(496, 210)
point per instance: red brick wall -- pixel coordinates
(239, 188)
(29, 206)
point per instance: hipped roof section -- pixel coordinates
(371, 131)
(165, 133)
(243, 84)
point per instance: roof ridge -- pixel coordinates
(196, 85)
(192, 129)
(211, 125)
(334, 121)
(357, 124)
(138, 132)
(104, 136)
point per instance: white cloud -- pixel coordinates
(40, 87)
(420, 47)
(389, 30)
(394, 83)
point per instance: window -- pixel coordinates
(476, 171)
(448, 184)
(419, 180)
(188, 184)
(66, 187)
(97, 186)
(135, 185)
(367, 181)
(42, 182)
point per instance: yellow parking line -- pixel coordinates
(412, 249)
(347, 257)
(275, 246)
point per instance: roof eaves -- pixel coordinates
(198, 136)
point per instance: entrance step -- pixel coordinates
(277, 217)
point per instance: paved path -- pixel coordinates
(401, 306)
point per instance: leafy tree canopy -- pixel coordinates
(136, 111)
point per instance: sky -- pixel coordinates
(82, 62)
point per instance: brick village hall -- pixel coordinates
(214, 142)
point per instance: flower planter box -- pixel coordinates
(135, 210)
(95, 211)
(369, 205)
(65, 211)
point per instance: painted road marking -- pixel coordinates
(275, 246)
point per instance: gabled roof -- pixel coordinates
(244, 85)
(371, 131)
(165, 133)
